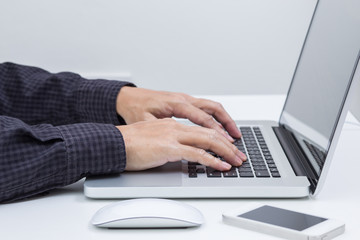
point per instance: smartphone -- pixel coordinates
(284, 223)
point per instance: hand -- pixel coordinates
(153, 143)
(137, 104)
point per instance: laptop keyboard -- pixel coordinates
(318, 155)
(259, 164)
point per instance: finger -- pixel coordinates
(199, 117)
(212, 140)
(196, 130)
(217, 110)
(198, 155)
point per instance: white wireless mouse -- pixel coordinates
(147, 213)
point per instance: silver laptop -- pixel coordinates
(289, 158)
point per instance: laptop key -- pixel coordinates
(258, 163)
(254, 153)
(262, 173)
(212, 172)
(245, 166)
(257, 160)
(231, 173)
(245, 170)
(246, 174)
(191, 167)
(275, 174)
(256, 168)
(192, 174)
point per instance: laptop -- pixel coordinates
(286, 159)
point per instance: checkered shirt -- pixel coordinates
(55, 129)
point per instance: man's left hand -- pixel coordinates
(137, 104)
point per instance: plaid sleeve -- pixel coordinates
(34, 159)
(36, 96)
(96, 101)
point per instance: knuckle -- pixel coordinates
(219, 105)
(209, 119)
(213, 134)
(231, 153)
(215, 162)
(169, 123)
(202, 152)
(180, 104)
(180, 97)
(234, 148)
(183, 95)
(215, 125)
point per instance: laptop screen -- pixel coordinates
(320, 82)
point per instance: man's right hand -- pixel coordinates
(153, 143)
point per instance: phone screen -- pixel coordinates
(283, 218)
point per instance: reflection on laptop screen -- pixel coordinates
(324, 71)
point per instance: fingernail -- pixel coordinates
(242, 156)
(239, 160)
(226, 165)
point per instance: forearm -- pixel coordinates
(34, 159)
(36, 96)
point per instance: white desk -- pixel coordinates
(65, 213)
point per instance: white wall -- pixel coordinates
(193, 46)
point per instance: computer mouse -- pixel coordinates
(148, 213)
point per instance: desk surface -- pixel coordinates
(65, 213)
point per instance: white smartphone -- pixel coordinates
(284, 223)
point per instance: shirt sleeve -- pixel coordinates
(36, 96)
(37, 158)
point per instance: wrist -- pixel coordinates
(122, 100)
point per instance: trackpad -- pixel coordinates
(166, 175)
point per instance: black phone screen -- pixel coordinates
(283, 218)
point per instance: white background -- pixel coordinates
(193, 46)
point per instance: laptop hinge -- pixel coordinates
(298, 160)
